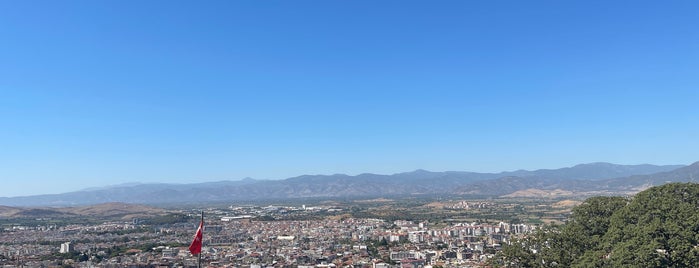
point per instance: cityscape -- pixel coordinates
(426, 232)
(249, 236)
(349, 134)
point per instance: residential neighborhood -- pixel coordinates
(237, 237)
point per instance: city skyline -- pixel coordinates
(103, 93)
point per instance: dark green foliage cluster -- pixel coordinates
(170, 218)
(265, 218)
(75, 256)
(659, 227)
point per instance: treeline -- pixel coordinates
(659, 227)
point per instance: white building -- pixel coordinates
(66, 247)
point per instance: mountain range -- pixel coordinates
(579, 180)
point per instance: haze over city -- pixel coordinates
(96, 93)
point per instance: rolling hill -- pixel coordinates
(120, 211)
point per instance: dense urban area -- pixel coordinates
(371, 234)
(657, 227)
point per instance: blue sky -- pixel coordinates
(96, 93)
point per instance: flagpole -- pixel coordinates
(202, 239)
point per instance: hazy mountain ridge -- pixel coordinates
(592, 171)
(579, 178)
(683, 174)
(622, 184)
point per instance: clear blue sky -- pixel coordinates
(96, 93)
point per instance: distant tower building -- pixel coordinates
(66, 247)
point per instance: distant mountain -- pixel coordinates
(592, 171)
(153, 193)
(590, 186)
(683, 174)
(579, 178)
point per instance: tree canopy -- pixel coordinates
(659, 227)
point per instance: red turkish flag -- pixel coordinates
(195, 247)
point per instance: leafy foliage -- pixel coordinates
(659, 227)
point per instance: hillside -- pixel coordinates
(120, 211)
(6, 212)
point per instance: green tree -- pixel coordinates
(516, 254)
(659, 227)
